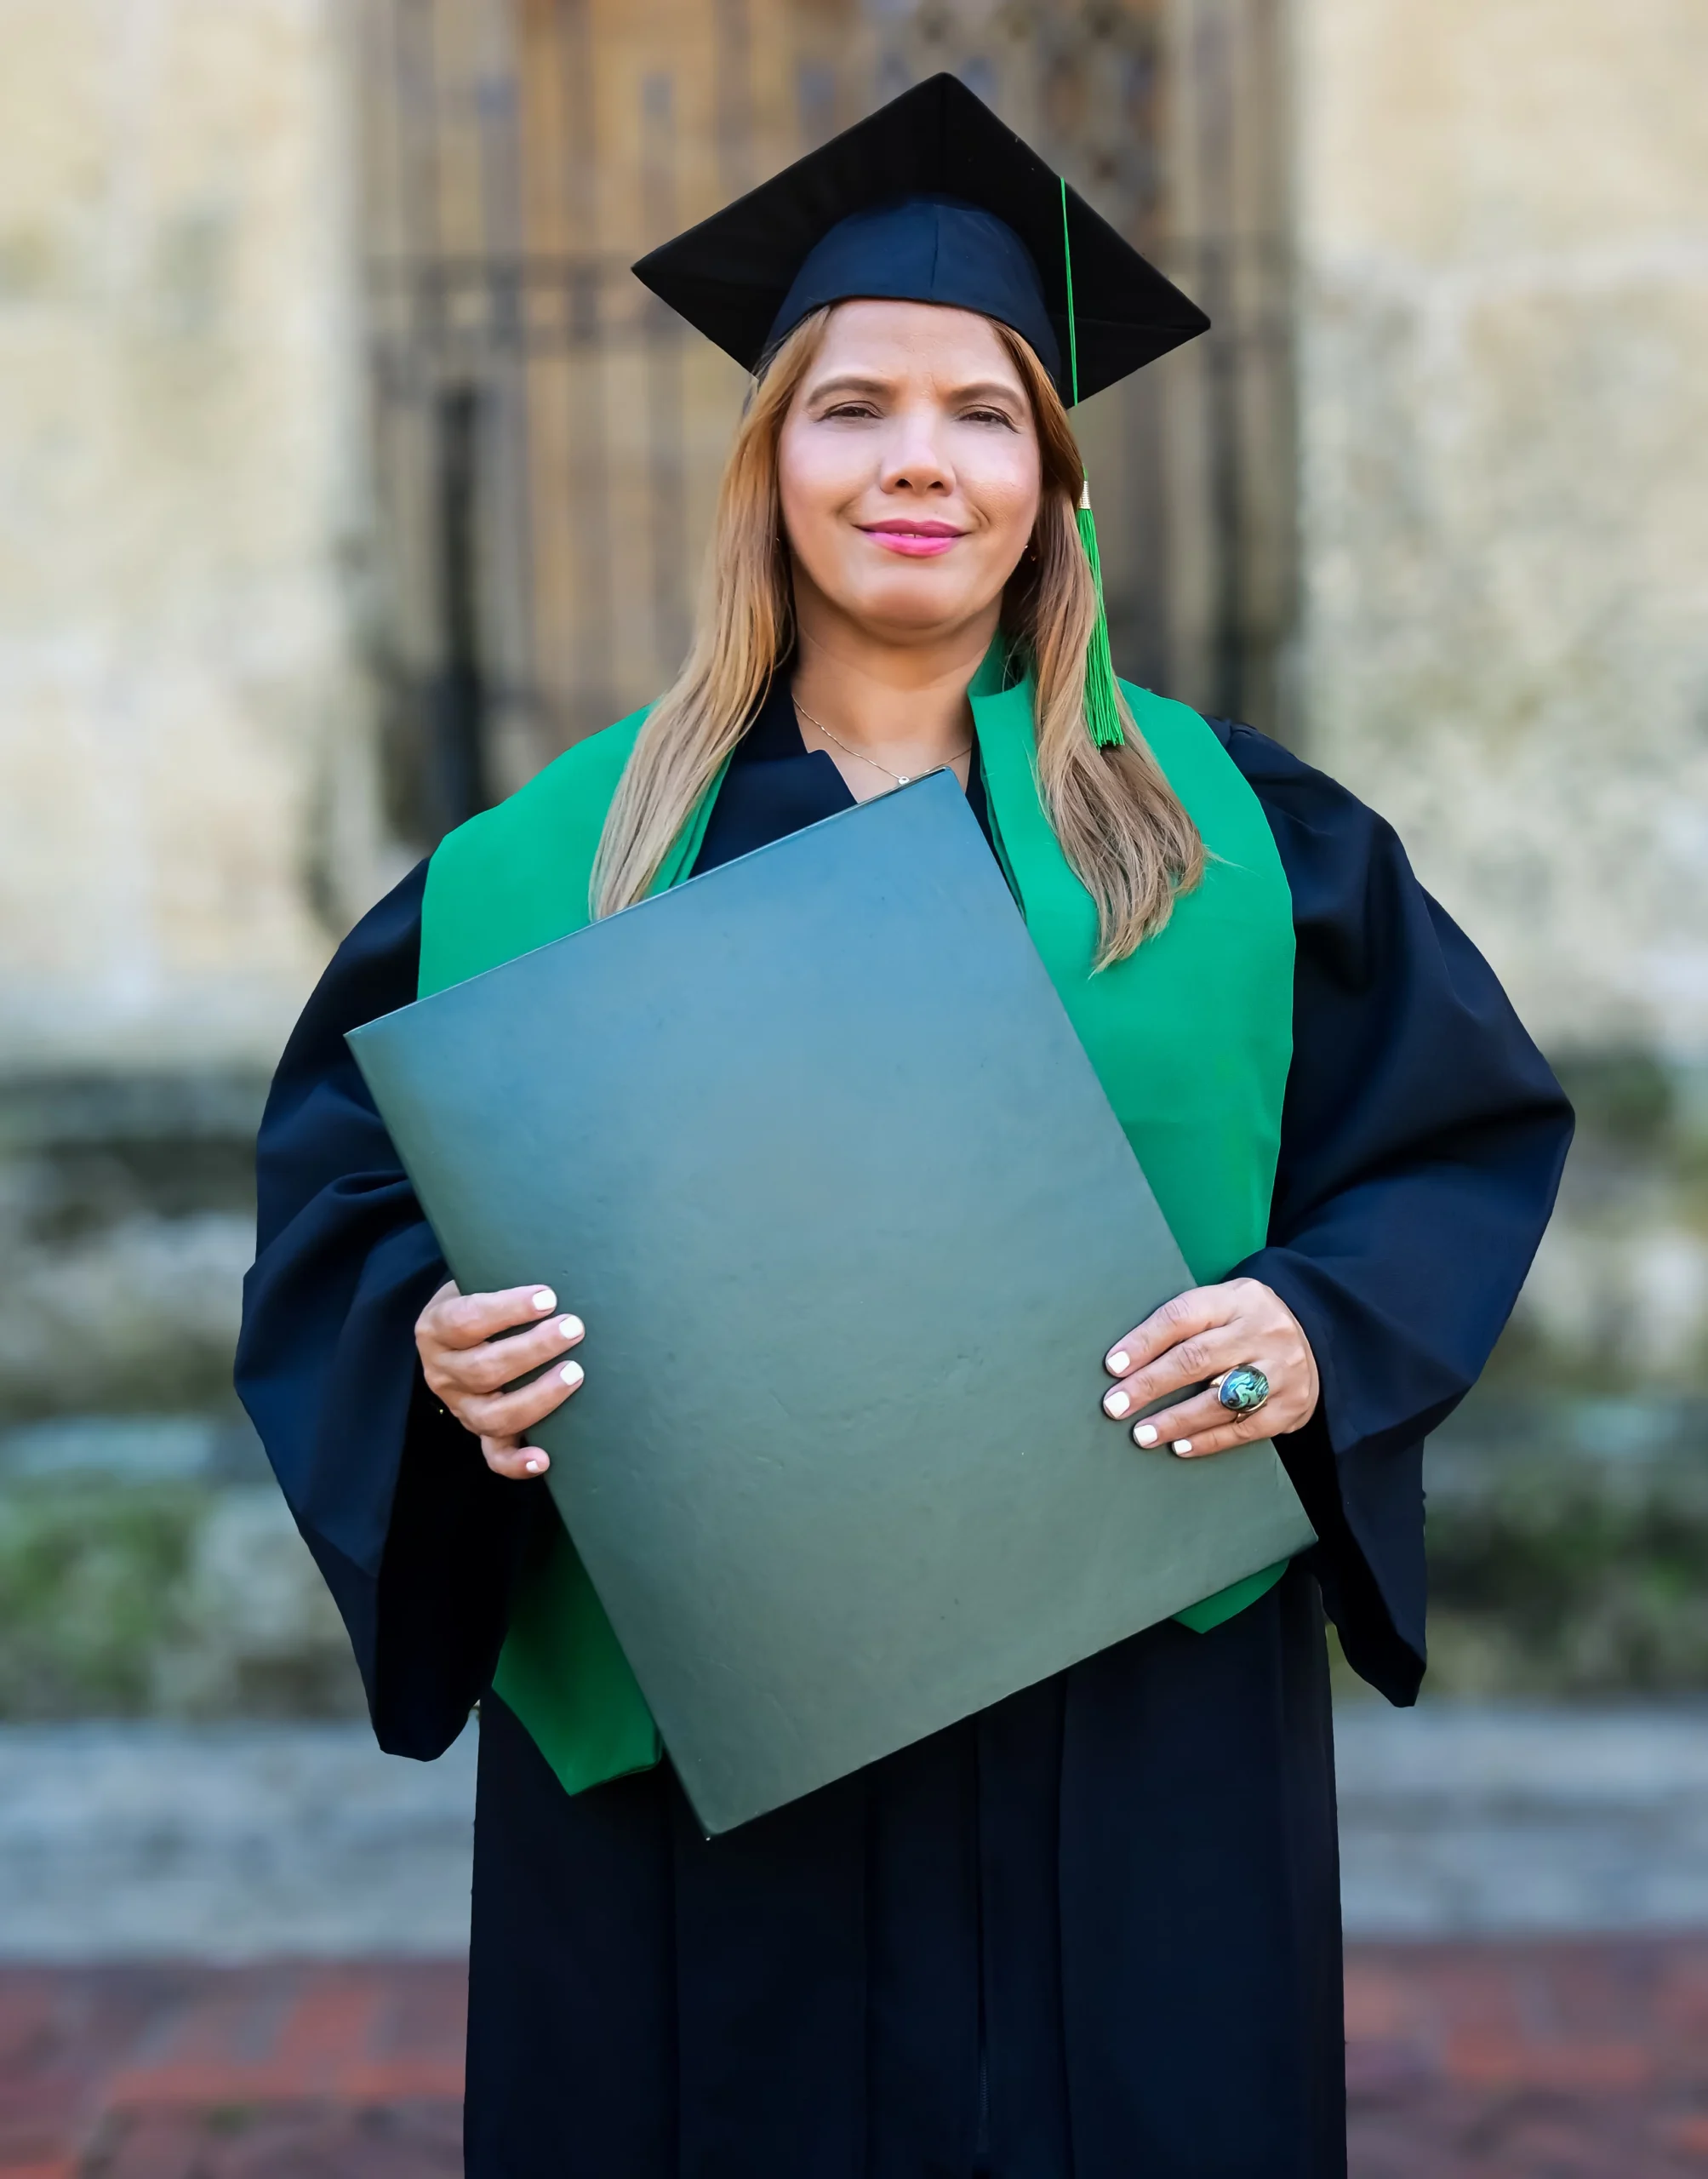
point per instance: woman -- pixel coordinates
(1095, 1929)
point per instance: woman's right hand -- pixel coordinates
(467, 1364)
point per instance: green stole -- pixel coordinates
(1192, 1037)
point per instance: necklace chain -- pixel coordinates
(901, 779)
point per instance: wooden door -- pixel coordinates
(548, 439)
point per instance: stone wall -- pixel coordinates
(1503, 311)
(184, 812)
(186, 819)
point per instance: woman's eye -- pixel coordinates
(988, 416)
(848, 408)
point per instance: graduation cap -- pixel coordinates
(933, 199)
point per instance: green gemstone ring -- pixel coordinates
(1244, 1390)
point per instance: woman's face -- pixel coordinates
(909, 470)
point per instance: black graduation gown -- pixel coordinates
(1091, 1933)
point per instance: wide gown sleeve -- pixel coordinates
(1422, 1140)
(419, 1542)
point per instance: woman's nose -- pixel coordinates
(914, 460)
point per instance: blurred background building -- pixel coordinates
(345, 476)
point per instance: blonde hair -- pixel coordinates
(1120, 825)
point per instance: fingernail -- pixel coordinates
(571, 1373)
(1182, 1445)
(1116, 1403)
(533, 1466)
(1120, 1361)
(544, 1300)
(571, 1327)
(1144, 1433)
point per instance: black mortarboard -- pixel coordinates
(930, 199)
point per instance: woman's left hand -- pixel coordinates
(1205, 1333)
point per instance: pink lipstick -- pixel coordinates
(914, 541)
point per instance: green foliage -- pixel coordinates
(90, 1582)
(1570, 1590)
(1568, 1546)
(126, 1598)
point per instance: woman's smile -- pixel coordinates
(917, 540)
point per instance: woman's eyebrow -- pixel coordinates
(987, 389)
(849, 382)
(856, 382)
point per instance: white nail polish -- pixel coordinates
(544, 1300)
(533, 1466)
(1120, 1362)
(571, 1373)
(1183, 1444)
(571, 1327)
(1116, 1403)
(1144, 1433)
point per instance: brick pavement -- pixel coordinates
(1573, 2059)
(1555, 2059)
(285, 2072)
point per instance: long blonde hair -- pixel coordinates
(1120, 825)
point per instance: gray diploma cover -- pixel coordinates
(812, 1146)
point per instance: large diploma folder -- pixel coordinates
(812, 1146)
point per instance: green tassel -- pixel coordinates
(1102, 704)
(1102, 707)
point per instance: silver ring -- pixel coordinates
(1244, 1390)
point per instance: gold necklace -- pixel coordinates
(901, 779)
